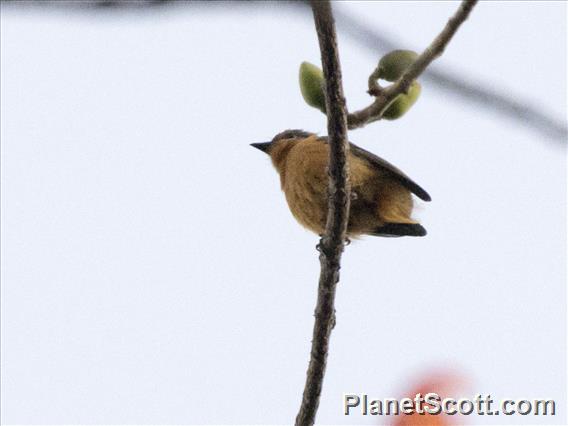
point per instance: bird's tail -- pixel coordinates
(399, 230)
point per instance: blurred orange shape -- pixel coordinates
(445, 385)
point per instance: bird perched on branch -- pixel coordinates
(381, 200)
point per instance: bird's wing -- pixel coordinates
(385, 166)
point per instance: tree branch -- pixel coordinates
(331, 245)
(521, 111)
(384, 97)
(494, 101)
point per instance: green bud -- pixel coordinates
(312, 85)
(393, 64)
(402, 103)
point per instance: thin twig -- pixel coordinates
(524, 112)
(332, 243)
(384, 97)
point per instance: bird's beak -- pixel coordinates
(263, 146)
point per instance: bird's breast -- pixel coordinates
(306, 194)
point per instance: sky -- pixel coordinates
(152, 273)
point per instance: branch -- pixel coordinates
(493, 101)
(507, 105)
(331, 244)
(384, 97)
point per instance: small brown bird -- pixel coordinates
(381, 194)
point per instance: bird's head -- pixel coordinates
(285, 136)
(280, 144)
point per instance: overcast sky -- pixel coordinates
(152, 273)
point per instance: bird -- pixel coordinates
(381, 194)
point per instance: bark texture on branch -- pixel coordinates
(331, 244)
(493, 100)
(374, 111)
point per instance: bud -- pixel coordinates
(393, 64)
(312, 85)
(403, 102)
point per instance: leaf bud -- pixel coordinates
(403, 102)
(393, 64)
(312, 85)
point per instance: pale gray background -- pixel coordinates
(152, 273)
